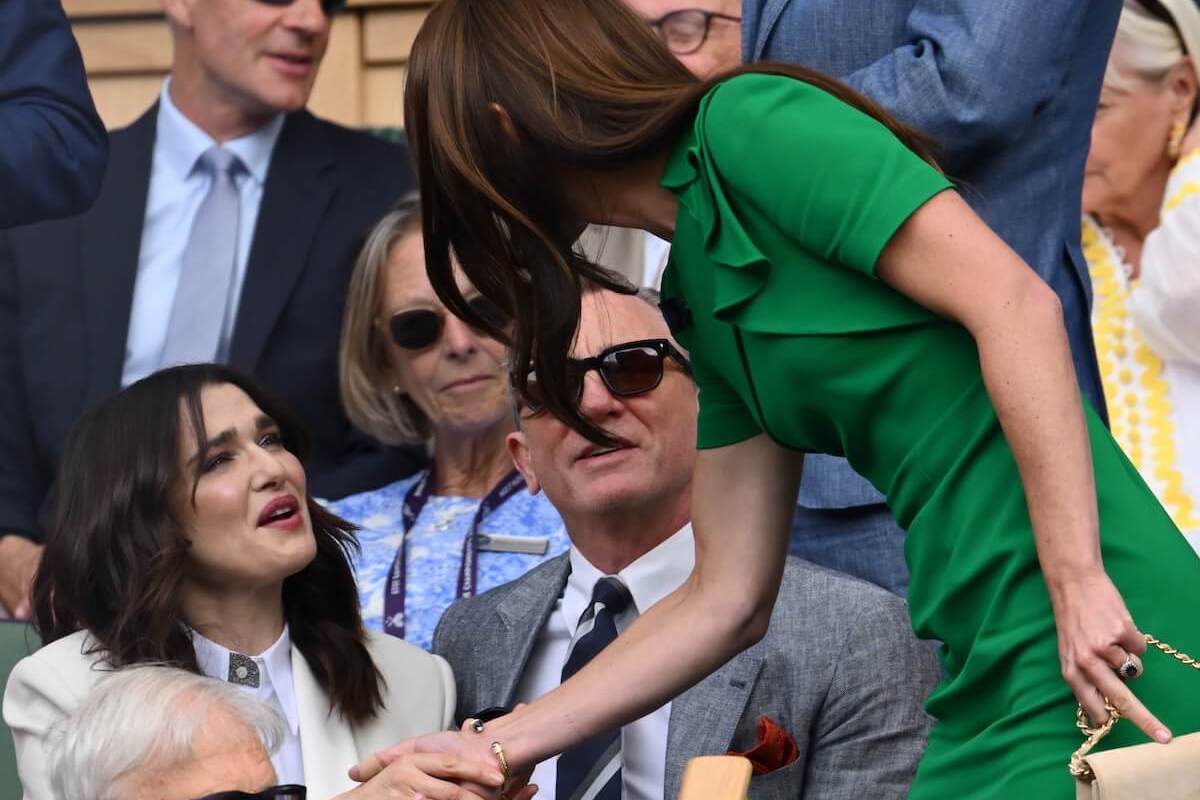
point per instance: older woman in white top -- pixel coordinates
(183, 534)
(1141, 237)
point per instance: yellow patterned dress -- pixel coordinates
(1148, 344)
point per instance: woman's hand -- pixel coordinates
(1095, 634)
(478, 770)
(428, 776)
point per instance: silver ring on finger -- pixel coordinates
(1130, 668)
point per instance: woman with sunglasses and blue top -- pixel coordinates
(411, 372)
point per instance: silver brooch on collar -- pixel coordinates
(243, 671)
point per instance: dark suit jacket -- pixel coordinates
(839, 669)
(52, 144)
(1008, 89)
(66, 288)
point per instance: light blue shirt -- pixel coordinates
(177, 188)
(435, 546)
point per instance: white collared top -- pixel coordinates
(176, 191)
(644, 741)
(1147, 336)
(275, 688)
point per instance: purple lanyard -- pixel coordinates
(414, 503)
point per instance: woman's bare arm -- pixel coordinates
(948, 260)
(743, 499)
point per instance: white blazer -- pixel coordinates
(419, 698)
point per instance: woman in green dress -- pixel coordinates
(836, 296)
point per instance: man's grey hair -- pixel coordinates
(144, 716)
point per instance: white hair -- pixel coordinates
(143, 715)
(1145, 47)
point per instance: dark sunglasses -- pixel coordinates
(684, 31)
(418, 328)
(627, 369)
(328, 7)
(289, 791)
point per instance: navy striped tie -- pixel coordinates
(592, 770)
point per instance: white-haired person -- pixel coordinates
(1141, 236)
(412, 372)
(169, 734)
(152, 732)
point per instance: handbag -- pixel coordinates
(1149, 771)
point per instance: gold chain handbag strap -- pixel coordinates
(1078, 767)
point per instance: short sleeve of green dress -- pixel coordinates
(775, 165)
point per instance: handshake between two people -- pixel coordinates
(451, 765)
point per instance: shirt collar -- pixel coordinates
(274, 667)
(650, 578)
(180, 142)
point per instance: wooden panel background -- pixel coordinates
(127, 52)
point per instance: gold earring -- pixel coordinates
(1175, 139)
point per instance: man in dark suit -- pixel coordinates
(52, 144)
(1008, 91)
(839, 673)
(226, 229)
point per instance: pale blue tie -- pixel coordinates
(202, 296)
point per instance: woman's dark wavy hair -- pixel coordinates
(116, 554)
(586, 84)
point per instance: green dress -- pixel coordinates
(786, 198)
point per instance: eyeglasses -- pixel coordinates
(418, 328)
(289, 791)
(686, 29)
(328, 7)
(627, 369)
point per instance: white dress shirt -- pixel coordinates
(656, 253)
(644, 741)
(177, 188)
(275, 688)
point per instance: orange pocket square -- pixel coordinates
(775, 748)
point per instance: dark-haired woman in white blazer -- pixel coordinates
(183, 534)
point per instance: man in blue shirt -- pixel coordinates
(226, 230)
(1008, 90)
(52, 144)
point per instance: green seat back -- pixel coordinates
(388, 134)
(17, 640)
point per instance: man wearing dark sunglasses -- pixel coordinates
(225, 230)
(812, 687)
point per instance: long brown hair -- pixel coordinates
(585, 84)
(116, 553)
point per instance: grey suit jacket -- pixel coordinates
(839, 668)
(1009, 90)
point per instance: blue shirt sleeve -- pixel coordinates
(53, 146)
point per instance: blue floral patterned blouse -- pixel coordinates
(435, 547)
